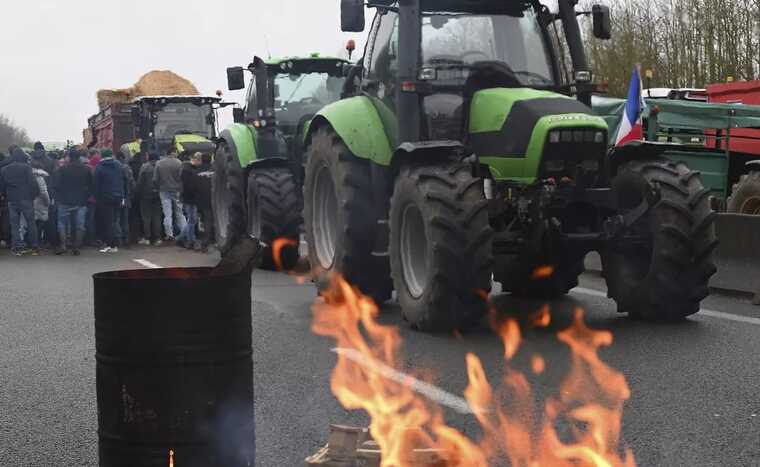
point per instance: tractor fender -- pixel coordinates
(241, 140)
(358, 123)
(636, 150)
(753, 165)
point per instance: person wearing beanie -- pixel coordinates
(42, 159)
(73, 185)
(150, 202)
(19, 185)
(111, 191)
(168, 179)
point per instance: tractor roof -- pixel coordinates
(311, 64)
(179, 99)
(512, 7)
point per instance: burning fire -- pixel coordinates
(580, 426)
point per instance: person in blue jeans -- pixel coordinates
(168, 179)
(18, 183)
(73, 185)
(190, 187)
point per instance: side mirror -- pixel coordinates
(602, 22)
(238, 115)
(352, 15)
(235, 78)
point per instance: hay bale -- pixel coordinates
(107, 97)
(155, 83)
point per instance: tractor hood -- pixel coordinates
(512, 122)
(193, 144)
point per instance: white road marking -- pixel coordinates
(702, 312)
(433, 393)
(147, 264)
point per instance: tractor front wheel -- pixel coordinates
(274, 213)
(341, 218)
(228, 199)
(745, 198)
(661, 267)
(441, 241)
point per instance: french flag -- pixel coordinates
(631, 128)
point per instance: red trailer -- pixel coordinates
(112, 127)
(744, 140)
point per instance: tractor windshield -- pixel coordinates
(459, 42)
(310, 88)
(183, 118)
(300, 96)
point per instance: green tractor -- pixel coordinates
(462, 158)
(258, 164)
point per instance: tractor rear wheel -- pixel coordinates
(441, 247)
(661, 270)
(274, 212)
(341, 218)
(745, 198)
(228, 199)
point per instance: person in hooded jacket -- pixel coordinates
(41, 202)
(18, 183)
(122, 220)
(73, 185)
(150, 203)
(111, 191)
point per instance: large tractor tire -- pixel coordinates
(441, 247)
(341, 218)
(666, 276)
(274, 212)
(228, 199)
(745, 197)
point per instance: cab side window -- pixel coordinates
(250, 99)
(383, 58)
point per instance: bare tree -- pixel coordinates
(10, 134)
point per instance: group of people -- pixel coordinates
(85, 197)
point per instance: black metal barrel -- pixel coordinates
(174, 368)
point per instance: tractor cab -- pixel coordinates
(188, 122)
(284, 95)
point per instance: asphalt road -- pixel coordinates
(694, 385)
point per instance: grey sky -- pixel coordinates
(57, 53)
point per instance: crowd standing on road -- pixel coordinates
(65, 201)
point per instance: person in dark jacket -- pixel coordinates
(73, 185)
(111, 187)
(150, 203)
(187, 237)
(44, 161)
(20, 186)
(203, 199)
(122, 220)
(5, 227)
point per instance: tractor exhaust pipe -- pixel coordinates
(575, 43)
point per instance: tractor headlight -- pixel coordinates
(554, 137)
(590, 165)
(599, 137)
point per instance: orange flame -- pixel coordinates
(543, 272)
(515, 426)
(277, 246)
(171, 458)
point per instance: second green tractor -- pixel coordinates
(258, 164)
